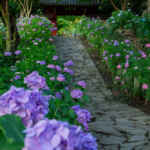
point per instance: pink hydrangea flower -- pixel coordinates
(127, 56)
(126, 65)
(51, 66)
(118, 66)
(147, 45)
(52, 78)
(117, 78)
(145, 86)
(61, 77)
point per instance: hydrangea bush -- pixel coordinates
(42, 90)
(30, 105)
(53, 134)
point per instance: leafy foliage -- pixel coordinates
(11, 133)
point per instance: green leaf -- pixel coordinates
(11, 137)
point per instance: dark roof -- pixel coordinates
(70, 2)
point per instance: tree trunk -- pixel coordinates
(12, 36)
(6, 18)
(14, 33)
(124, 5)
(148, 6)
(113, 4)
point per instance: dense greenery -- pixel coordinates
(11, 135)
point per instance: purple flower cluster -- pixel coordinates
(61, 77)
(76, 93)
(58, 95)
(55, 58)
(7, 53)
(30, 105)
(83, 115)
(57, 135)
(68, 63)
(41, 62)
(82, 84)
(17, 52)
(35, 81)
(51, 66)
(70, 71)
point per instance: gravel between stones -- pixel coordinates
(117, 126)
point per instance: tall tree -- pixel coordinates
(123, 3)
(9, 12)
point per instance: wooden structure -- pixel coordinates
(54, 8)
(72, 7)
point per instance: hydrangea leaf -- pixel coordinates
(11, 128)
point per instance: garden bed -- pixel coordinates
(117, 94)
(38, 94)
(126, 58)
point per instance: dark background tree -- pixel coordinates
(9, 12)
(137, 6)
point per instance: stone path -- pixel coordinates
(117, 126)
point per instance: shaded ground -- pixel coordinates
(116, 125)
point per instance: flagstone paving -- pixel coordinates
(117, 126)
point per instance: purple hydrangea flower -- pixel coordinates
(17, 77)
(67, 88)
(76, 93)
(58, 68)
(40, 23)
(83, 116)
(61, 77)
(52, 78)
(116, 43)
(35, 81)
(104, 53)
(127, 41)
(117, 54)
(55, 58)
(18, 52)
(82, 84)
(30, 105)
(57, 135)
(68, 71)
(68, 63)
(89, 25)
(105, 58)
(58, 95)
(51, 66)
(7, 53)
(41, 62)
(105, 40)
